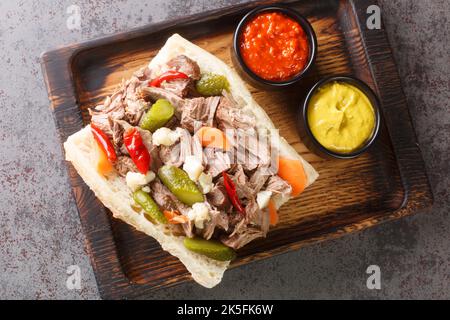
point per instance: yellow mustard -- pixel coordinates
(341, 117)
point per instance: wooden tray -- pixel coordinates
(385, 184)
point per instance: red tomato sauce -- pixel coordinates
(274, 46)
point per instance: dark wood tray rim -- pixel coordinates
(418, 193)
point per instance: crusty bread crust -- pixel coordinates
(115, 194)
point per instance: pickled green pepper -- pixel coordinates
(150, 207)
(211, 84)
(210, 248)
(179, 183)
(158, 115)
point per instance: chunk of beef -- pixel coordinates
(134, 105)
(156, 162)
(278, 186)
(238, 240)
(186, 65)
(211, 107)
(176, 230)
(240, 180)
(143, 74)
(230, 116)
(167, 201)
(115, 108)
(180, 87)
(176, 154)
(256, 216)
(102, 121)
(124, 164)
(216, 161)
(252, 150)
(193, 110)
(199, 112)
(173, 123)
(258, 178)
(154, 93)
(117, 135)
(134, 110)
(197, 149)
(244, 157)
(118, 128)
(170, 155)
(218, 197)
(102, 115)
(185, 144)
(218, 219)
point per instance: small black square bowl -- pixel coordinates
(307, 136)
(248, 74)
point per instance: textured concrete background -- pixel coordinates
(40, 233)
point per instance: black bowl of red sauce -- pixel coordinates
(273, 47)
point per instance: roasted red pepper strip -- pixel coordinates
(104, 143)
(167, 76)
(137, 150)
(232, 194)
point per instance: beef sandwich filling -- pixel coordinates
(190, 155)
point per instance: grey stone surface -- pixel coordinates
(40, 233)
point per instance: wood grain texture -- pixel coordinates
(386, 183)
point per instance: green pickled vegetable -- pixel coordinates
(179, 183)
(210, 248)
(150, 207)
(158, 115)
(211, 84)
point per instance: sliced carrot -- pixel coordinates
(174, 217)
(292, 171)
(103, 164)
(273, 214)
(213, 137)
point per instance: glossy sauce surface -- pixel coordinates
(274, 46)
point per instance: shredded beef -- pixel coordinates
(180, 87)
(186, 65)
(218, 219)
(258, 178)
(199, 112)
(218, 197)
(101, 121)
(176, 154)
(124, 110)
(124, 164)
(217, 161)
(240, 180)
(230, 116)
(167, 201)
(239, 240)
(154, 93)
(278, 186)
(143, 74)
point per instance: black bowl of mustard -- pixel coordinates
(273, 47)
(346, 115)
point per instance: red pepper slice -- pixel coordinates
(232, 194)
(104, 143)
(167, 76)
(137, 150)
